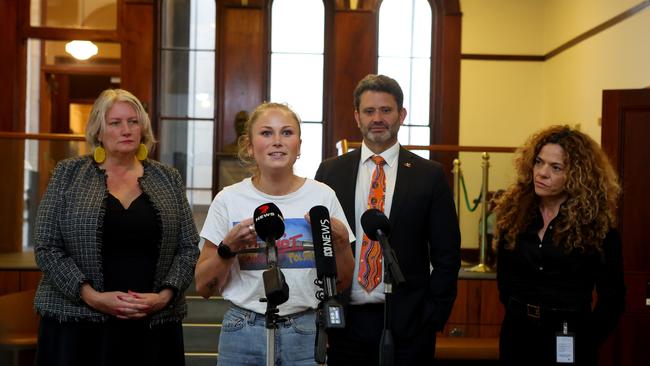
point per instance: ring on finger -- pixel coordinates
(251, 228)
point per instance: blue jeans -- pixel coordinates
(243, 339)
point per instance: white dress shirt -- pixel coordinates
(364, 177)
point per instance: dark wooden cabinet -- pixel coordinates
(471, 335)
(15, 281)
(477, 311)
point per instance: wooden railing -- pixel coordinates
(42, 136)
(344, 146)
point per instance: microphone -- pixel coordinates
(377, 227)
(321, 230)
(269, 225)
(375, 224)
(329, 313)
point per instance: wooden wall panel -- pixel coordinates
(474, 304)
(242, 67)
(29, 279)
(9, 282)
(354, 55)
(11, 195)
(492, 311)
(445, 78)
(60, 96)
(477, 311)
(9, 69)
(459, 311)
(15, 281)
(136, 29)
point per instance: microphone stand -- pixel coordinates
(320, 347)
(392, 275)
(274, 286)
(329, 314)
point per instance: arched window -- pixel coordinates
(297, 43)
(186, 93)
(405, 55)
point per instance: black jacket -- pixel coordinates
(424, 234)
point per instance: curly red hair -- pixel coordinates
(591, 185)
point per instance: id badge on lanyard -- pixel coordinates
(565, 346)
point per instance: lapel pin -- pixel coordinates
(408, 165)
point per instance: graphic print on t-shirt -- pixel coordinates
(295, 248)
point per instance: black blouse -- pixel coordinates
(130, 245)
(539, 272)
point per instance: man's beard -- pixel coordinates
(383, 137)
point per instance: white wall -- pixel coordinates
(500, 101)
(502, 26)
(503, 102)
(565, 19)
(618, 58)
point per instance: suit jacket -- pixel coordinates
(424, 233)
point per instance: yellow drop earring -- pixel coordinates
(142, 152)
(99, 154)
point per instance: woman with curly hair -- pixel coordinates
(556, 243)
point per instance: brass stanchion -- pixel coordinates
(456, 171)
(483, 245)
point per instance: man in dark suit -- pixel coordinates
(424, 235)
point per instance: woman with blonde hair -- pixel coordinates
(556, 244)
(233, 259)
(117, 245)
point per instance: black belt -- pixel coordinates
(540, 312)
(368, 310)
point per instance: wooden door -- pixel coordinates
(625, 138)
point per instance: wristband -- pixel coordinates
(224, 251)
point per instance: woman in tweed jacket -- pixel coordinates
(117, 245)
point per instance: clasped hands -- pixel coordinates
(125, 305)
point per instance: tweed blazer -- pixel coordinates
(68, 238)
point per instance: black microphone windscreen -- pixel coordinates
(321, 231)
(268, 220)
(373, 220)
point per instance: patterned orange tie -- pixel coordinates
(370, 260)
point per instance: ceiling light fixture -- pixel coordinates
(81, 50)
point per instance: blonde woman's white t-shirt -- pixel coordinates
(236, 203)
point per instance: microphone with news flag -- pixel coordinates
(329, 313)
(269, 225)
(321, 229)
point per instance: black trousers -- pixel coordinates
(359, 342)
(526, 340)
(116, 342)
